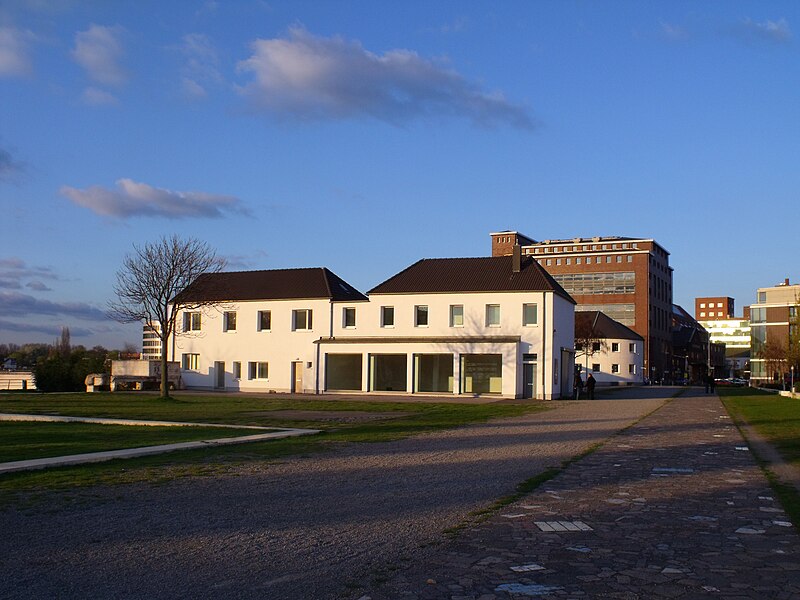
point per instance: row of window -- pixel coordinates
(614, 368)
(302, 319)
(584, 248)
(711, 314)
(614, 347)
(255, 369)
(579, 260)
(623, 282)
(710, 305)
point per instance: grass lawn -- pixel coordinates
(777, 419)
(30, 440)
(410, 419)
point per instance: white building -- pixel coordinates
(151, 341)
(617, 353)
(259, 335)
(464, 326)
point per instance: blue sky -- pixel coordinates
(363, 136)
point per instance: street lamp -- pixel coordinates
(791, 384)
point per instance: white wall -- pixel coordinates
(606, 358)
(281, 346)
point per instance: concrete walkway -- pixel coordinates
(674, 507)
(270, 433)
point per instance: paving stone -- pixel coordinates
(682, 516)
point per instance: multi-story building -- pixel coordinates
(713, 308)
(628, 279)
(464, 326)
(151, 341)
(694, 355)
(607, 349)
(773, 322)
(716, 316)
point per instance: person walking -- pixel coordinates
(590, 383)
(578, 385)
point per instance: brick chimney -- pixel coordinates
(516, 258)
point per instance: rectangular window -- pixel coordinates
(632, 347)
(588, 260)
(420, 316)
(558, 261)
(608, 259)
(301, 319)
(530, 314)
(549, 262)
(257, 370)
(702, 313)
(578, 260)
(456, 315)
(615, 346)
(762, 297)
(632, 369)
(387, 316)
(493, 315)
(719, 304)
(229, 321)
(264, 320)
(630, 258)
(596, 367)
(349, 317)
(615, 368)
(482, 373)
(191, 321)
(595, 346)
(237, 369)
(569, 261)
(702, 305)
(190, 362)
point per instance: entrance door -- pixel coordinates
(219, 375)
(529, 380)
(297, 377)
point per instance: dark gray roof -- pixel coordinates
(603, 326)
(277, 284)
(483, 274)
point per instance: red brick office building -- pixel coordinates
(628, 279)
(713, 308)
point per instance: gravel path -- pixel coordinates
(316, 527)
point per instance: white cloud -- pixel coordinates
(309, 77)
(201, 65)
(98, 50)
(673, 32)
(133, 199)
(96, 97)
(14, 48)
(772, 31)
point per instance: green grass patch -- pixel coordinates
(777, 419)
(412, 419)
(30, 440)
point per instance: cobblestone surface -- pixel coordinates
(312, 527)
(677, 508)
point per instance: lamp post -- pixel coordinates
(791, 383)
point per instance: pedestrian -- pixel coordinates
(578, 385)
(590, 382)
(708, 380)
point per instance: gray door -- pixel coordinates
(219, 375)
(529, 380)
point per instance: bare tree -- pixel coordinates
(588, 340)
(149, 280)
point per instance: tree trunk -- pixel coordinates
(164, 370)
